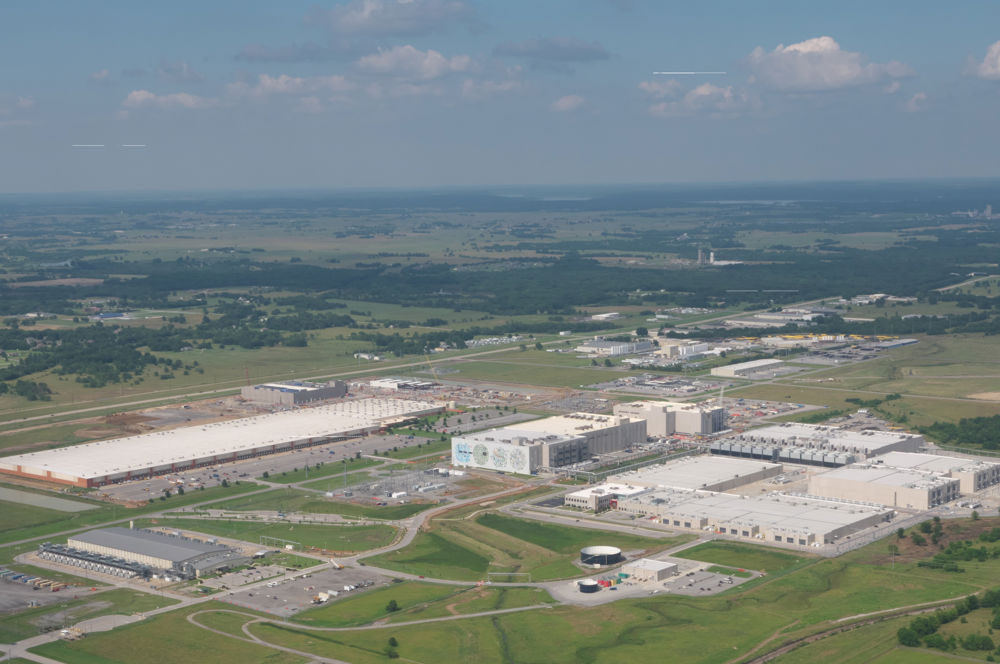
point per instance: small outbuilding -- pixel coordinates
(647, 569)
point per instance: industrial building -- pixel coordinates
(145, 552)
(972, 474)
(647, 569)
(910, 489)
(397, 384)
(744, 369)
(708, 473)
(606, 348)
(550, 442)
(161, 452)
(666, 418)
(293, 392)
(861, 444)
(603, 497)
(775, 517)
(800, 455)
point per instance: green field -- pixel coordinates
(335, 468)
(28, 623)
(743, 556)
(328, 537)
(294, 500)
(466, 549)
(167, 639)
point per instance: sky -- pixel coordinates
(256, 94)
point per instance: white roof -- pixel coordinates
(138, 453)
(573, 424)
(826, 437)
(650, 565)
(931, 462)
(701, 472)
(620, 490)
(888, 476)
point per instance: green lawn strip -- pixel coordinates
(295, 500)
(106, 513)
(436, 556)
(329, 537)
(476, 600)
(743, 556)
(292, 561)
(165, 639)
(317, 471)
(729, 571)
(336, 482)
(565, 539)
(369, 606)
(70, 611)
(20, 515)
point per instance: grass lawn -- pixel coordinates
(294, 500)
(335, 468)
(167, 639)
(28, 623)
(743, 556)
(328, 537)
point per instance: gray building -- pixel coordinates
(159, 552)
(293, 392)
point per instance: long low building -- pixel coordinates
(777, 518)
(861, 444)
(665, 418)
(161, 452)
(708, 473)
(293, 392)
(742, 369)
(550, 443)
(602, 497)
(972, 474)
(911, 489)
(155, 551)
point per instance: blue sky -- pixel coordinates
(404, 93)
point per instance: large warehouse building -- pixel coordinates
(666, 418)
(911, 489)
(550, 442)
(708, 473)
(745, 369)
(142, 552)
(161, 452)
(860, 444)
(293, 392)
(778, 518)
(972, 474)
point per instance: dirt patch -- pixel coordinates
(985, 396)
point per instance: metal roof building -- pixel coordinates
(973, 474)
(860, 443)
(912, 489)
(160, 452)
(709, 473)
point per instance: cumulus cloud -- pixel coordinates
(916, 103)
(102, 76)
(147, 99)
(567, 103)
(180, 72)
(989, 68)
(705, 99)
(557, 49)
(409, 62)
(284, 84)
(818, 64)
(659, 89)
(382, 18)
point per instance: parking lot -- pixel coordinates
(288, 596)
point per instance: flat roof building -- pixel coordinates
(614, 348)
(775, 517)
(551, 442)
(708, 473)
(910, 489)
(862, 444)
(666, 418)
(972, 474)
(293, 392)
(161, 452)
(742, 369)
(647, 569)
(603, 497)
(157, 551)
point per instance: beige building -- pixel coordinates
(293, 392)
(746, 368)
(665, 418)
(901, 488)
(705, 472)
(603, 497)
(972, 474)
(862, 444)
(647, 569)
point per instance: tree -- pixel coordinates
(900, 533)
(918, 539)
(538, 345)
(393, 642)
(266, 475)
(908, 637)
(975, 515)
(225, 482)
(641, 332)
(180, 491)
(392, 606)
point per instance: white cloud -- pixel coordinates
(409, 62)
(659, 89)
(706, 98)
(989, 68)
(474, 89)
(309, 105)
(180, 72)
(392, 17)
(892, 88)
(916, 103)
(818, 64)
(290, 85)
(567, 103)
(102, 76)
(147, 99)
(25, 103)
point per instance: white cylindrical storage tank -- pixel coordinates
(600, 555)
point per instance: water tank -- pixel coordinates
(588, 585)
(600, 555)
